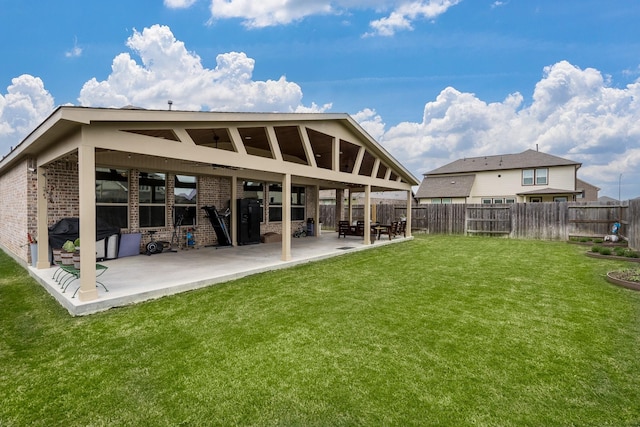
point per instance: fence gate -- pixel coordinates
(483, 219)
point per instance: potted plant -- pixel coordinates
(68, 249)
(76, 253)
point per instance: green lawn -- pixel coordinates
(447, 331)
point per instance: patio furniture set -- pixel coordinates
(392, 230)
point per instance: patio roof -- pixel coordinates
(141, 278)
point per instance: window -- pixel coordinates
(275, 203)
(255, 190)
(527, 177)
(185, 194)
(560, 199)
(436, 201)
(535, 199)
(297, 203)
(535, 176)
(486, 201)
(498, 200)
(112, 196)
(152, 196)
(510, 200)
(541, 176)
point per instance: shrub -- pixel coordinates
(584, 239)
(596, 248)
(619, 251)
(598, 240)
(631, 254)
(605, 251)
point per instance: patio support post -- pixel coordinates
(367, 214)
(234, 215)
(87, 198)
(41, 219)
(317, 215)
(339, 207)
(286, 217)
(409, 205)
(350, 207)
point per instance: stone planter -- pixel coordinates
(66, 258)
(76, 260)
(57, 255)
(612, 257)
(624, 283)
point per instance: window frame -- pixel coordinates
(153, 203)
(123, 204)
(179, 208)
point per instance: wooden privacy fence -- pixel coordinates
(545, 221)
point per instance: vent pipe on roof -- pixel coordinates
(170, 102)
(536, 147)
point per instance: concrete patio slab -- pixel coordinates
(140, 278)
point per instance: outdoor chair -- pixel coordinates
(391, 230)
(344, 229)
(402, 228)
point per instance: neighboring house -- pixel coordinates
(530, 176)
(589, 192)
(140, 169)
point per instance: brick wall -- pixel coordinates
(15, 192)
(18, 192)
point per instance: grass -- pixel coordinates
(438, 331)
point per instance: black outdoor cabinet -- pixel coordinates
(248, 221)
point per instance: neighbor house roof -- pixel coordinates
(526, 159)
(446, 186)
(548, 191)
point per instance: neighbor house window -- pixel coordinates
(498, 200)
(560, 199)
(486, 201)
(436, 201)
(510, 200)
(112, 196)
(527, 177)
(535, 176)
(535, 199)
(185, 194)
(152, 190)
(542, 176)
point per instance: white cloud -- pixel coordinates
(179, 4)
(265, 13)
(575, 114)
(407, 12)
(22, 108)
(75, 52)
(169, 71)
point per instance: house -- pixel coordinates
(530, 176)
(141, 170)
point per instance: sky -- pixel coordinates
(431, 80)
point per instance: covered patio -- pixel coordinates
(140, 278)
(161, 174)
